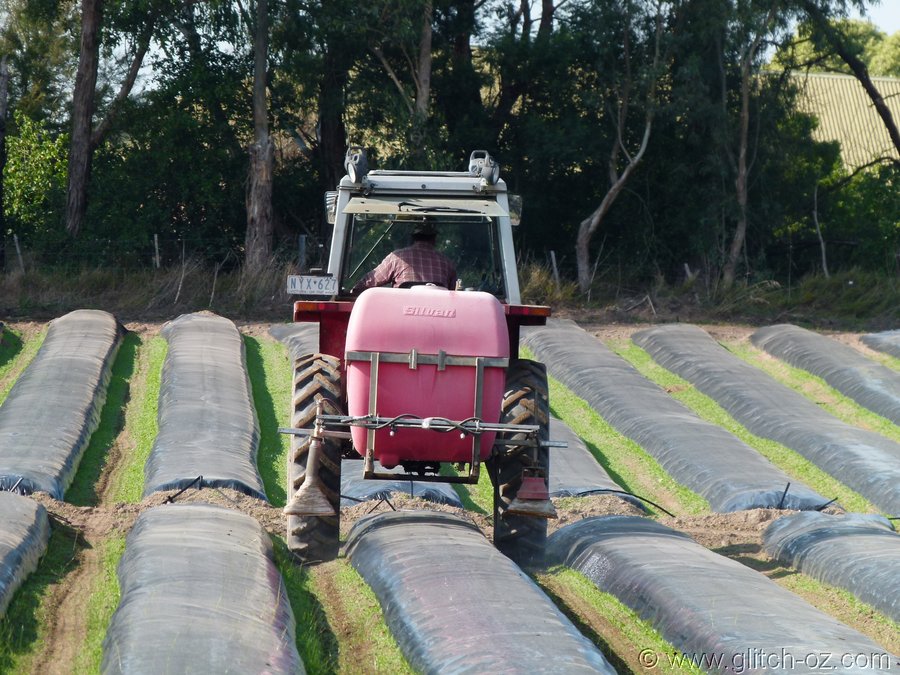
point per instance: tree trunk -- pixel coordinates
(258, 242)
(742, 167)
(740, 181)
(143, 44)
(423, 69)
(589, 225)
(4, 90)
(815, 215)
(332, 132)
(82, 115)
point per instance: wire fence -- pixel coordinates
(159, 251)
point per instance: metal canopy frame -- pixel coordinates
(336, 426)
(414, 359)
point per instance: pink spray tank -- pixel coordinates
(434, 353)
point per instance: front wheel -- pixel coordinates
(317, 377)
(526, 401)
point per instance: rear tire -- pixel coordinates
(526, 401)
(317, 377)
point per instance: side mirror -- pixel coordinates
(515, 209)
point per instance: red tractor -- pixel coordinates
(425, 378)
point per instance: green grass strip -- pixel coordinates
(140, 420)
(478, 497)
(102, 604)
(24, 626)
(361, 604)
(817, 390)
(885, 359)
(271, 378)
(316, 643)
(845, 607)
(626, 462)
(15, 355)
(791, 462)
(83, 490)
(645, 645)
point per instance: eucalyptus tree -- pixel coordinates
(884, 57)
(35, 62)
(4, 98)
(825, 31)
(634, 85)
(258, 239)
(754, 23)
(804, 50)
(134, 25)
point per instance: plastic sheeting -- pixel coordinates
(857, 552)
(24, 533)
(727, 472)
(207, 422)
(299, 338)
(709, 606)
(870, 384)
(200, 593)
(887, 342)
(573, 470)
(867, 462)
(51, 411)
(356, 489)
(457, 605)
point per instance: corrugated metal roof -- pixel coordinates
(846, 114)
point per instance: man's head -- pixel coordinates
(424, 231)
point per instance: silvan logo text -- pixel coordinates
(411, 310)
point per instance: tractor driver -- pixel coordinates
(419, 263)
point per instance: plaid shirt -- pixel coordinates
(420, 263)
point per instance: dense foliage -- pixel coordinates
(554, 90)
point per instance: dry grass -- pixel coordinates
(148, 294)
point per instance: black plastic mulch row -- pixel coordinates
(51, 411)
(729, 617)
(457, 605)
(574, 472)
(356, 489)
(299, 338)
(865, 461)
(200, 593)
(207, 422)
(857, 552)
(870, 384)
(887, 342)
(727, 472)
(24, 533)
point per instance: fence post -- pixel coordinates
(19, 253)
(301, 253)
(156, 249)
(555, 270)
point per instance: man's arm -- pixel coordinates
(381, 275)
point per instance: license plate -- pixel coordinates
(311, 285)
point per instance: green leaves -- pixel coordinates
(34, 177)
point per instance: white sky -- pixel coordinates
(885, 15)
